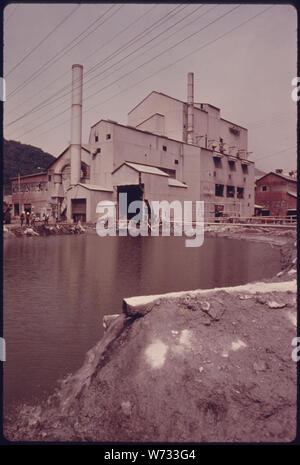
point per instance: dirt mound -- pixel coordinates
(209, 366)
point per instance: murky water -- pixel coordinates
(57, 289)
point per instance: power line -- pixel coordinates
(56, 96)
(276, 153)
(126, 74)
(67, 72)
(156, 72)
(62, 53)
(122, 47)
(42, 41)
(48, 100)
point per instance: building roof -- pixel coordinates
(183, 102)
(40, 173)
(292, 194)
(95, 187)
(175, 183)
(143, 168)
(283, 176)
(83, 146)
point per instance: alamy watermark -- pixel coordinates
(2, 90)
(295, 352)
(2, 350)
(154, 219)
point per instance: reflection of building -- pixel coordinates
(276, 194)
(171, 150)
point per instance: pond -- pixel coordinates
(57, 289)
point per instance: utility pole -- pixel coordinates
(19, 194)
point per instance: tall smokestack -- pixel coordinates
(190, 102)
(76, 123)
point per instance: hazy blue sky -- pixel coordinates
(247, 73)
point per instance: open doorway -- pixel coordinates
(134, 192)
(79, 210)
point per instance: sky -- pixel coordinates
(243, 57)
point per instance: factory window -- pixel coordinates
(176, 162)
(240, 193)
(217, 162)
(219, 189)
(164, 148)
(108, 136)
(49, 177)
(230, 191)
(264, 188)
(96, 138)
(232, 165)
(245, 168)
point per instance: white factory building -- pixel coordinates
(170, 150)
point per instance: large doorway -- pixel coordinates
(79, 210)
(133, 193)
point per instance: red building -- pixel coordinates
(276, 194)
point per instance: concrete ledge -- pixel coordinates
(141, 305)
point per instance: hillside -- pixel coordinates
(23, 159)
(258, 172)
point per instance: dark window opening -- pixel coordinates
(164, 148)
(96, 138)
(98, 150)
(230, 191)
(264, 188)
(108, 136)
(176, 162)
(16, 209)
(49, 177)
(219, 190)
(240, 193)
(217, 162)
(219, 210)
(245, 169)
(232, 165)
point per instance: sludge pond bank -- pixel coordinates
(168, 340)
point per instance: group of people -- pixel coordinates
(30, 218)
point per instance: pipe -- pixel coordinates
(190, 102)
(76, 123)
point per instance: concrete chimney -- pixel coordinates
(190, 102)
(76, 123)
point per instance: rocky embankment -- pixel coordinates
(202, 366)
(42, 229)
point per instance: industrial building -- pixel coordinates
(170, 150)
(276, 194)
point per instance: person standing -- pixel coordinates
(27, 218)
(22, 217)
